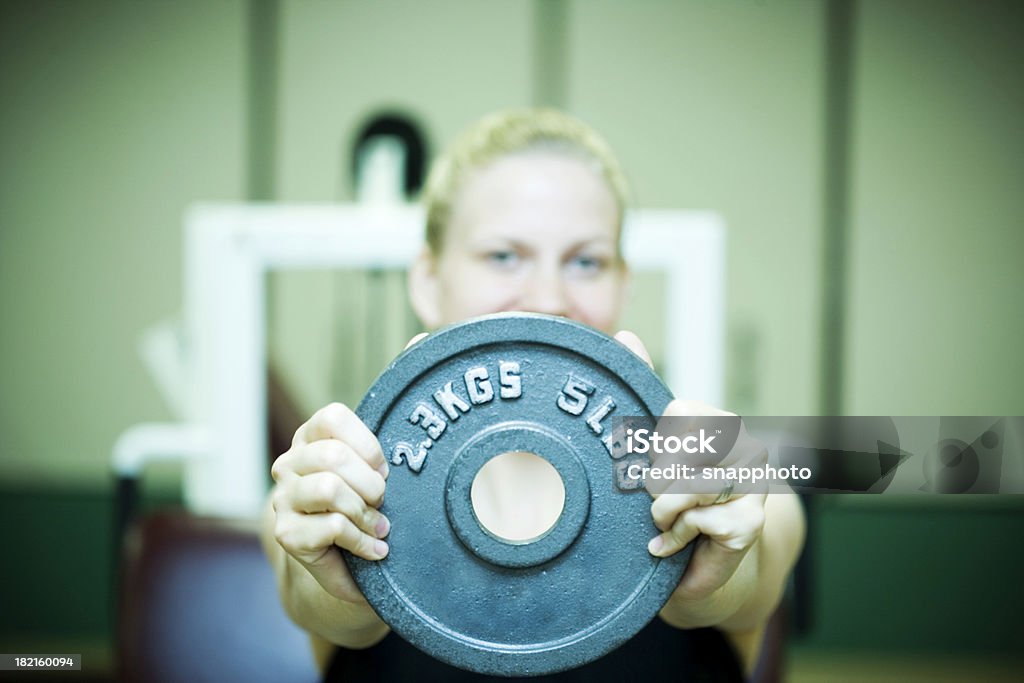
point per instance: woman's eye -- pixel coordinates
(587, 264)
(503, 258)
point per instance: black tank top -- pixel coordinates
(657, 653)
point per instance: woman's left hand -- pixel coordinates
(725, 523)
(725, 583)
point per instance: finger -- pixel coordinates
(728, 537)
(337, 421)
(281, 466)
(668, 506)
(329, 455)
(686, 408)
(318, 555)
(311, 537)
(633, 343)
(677, 537)
(415, 339)
(366, 482)
(327, 492)
(710, 567)
(331, 572)
(348, 536)
(307, 538)
(735, 525)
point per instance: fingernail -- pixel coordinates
(382, 528)
(655, 546)
(384, 470)
(380, 548)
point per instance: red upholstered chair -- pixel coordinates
(199, 602)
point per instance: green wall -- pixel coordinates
(937, 212)
(57, 575)
(910, 577)
(115, 116)
(718, 105)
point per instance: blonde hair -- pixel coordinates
(507, 132)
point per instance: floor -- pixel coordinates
(820, 667)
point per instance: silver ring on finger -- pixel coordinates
(725, 493)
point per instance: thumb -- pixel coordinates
(415, 339)
(633, 343)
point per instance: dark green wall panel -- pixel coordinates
(903, 577)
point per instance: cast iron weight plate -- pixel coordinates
(448, 404)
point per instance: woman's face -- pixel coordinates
(532, 231)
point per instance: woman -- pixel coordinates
(524, 213)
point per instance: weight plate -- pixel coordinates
(468, 392)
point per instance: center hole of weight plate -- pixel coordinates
(518, 496)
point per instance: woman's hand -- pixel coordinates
(329, 485)
(726, 525)
(730, 524)
(746, 542)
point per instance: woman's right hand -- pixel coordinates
(329, 485)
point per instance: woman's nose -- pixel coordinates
(546, 293)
